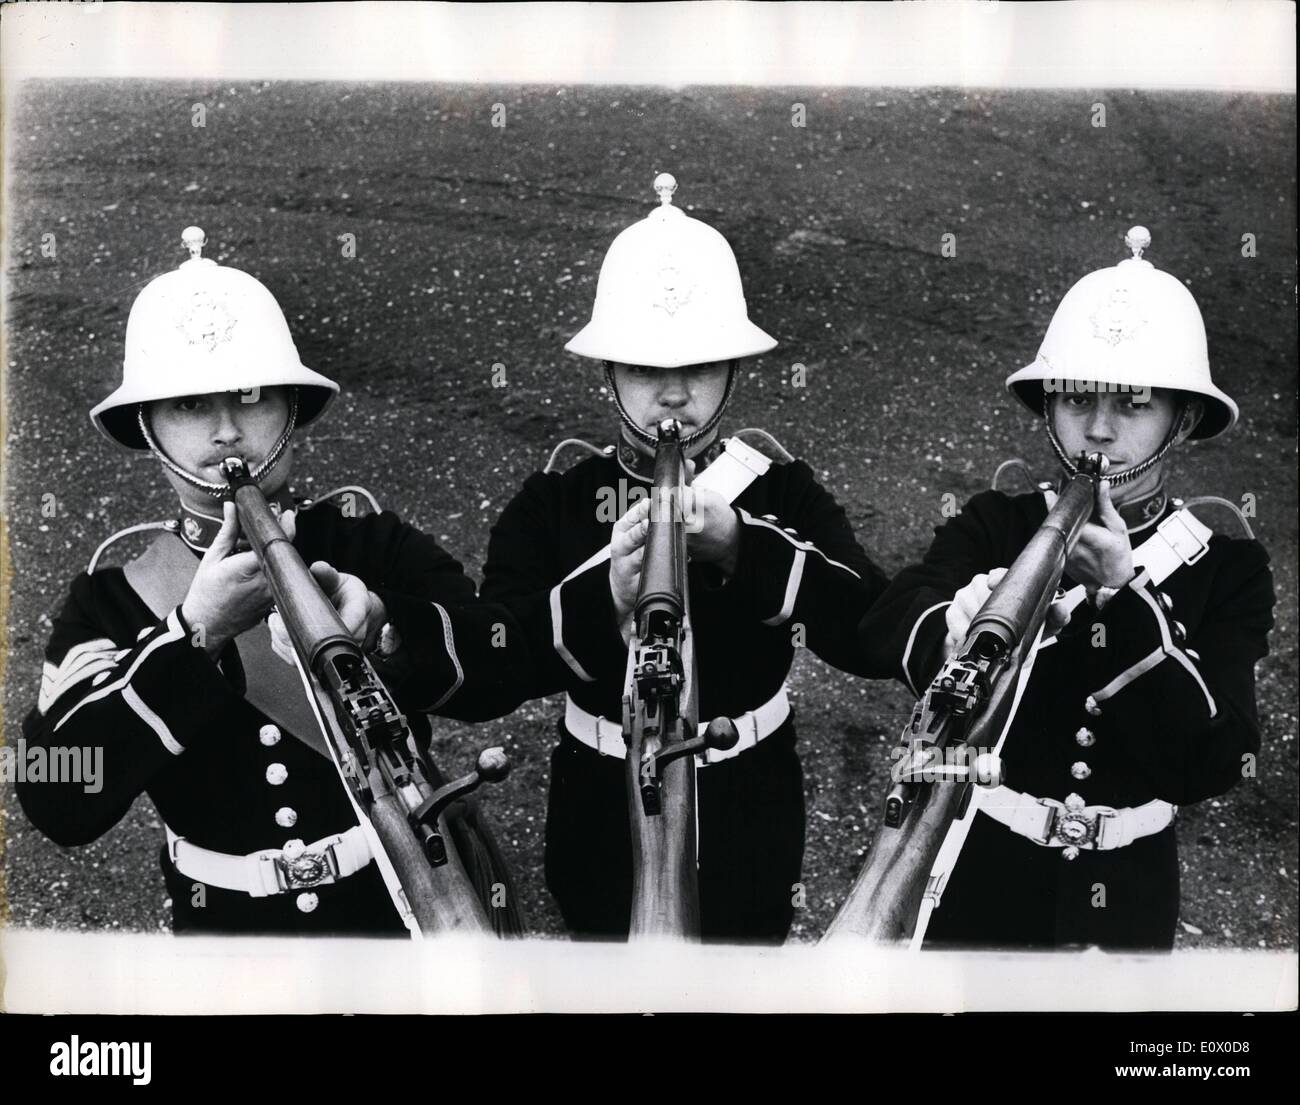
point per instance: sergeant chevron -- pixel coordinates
(83, 764)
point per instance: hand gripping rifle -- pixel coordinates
(661, 715)
(369, 738)
(957, 721)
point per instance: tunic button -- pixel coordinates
(276, 774)
(1085, 737)
(1166, 602)
(1070, 852)
(269, 735)
(1080, 770)
(307, 901)
(286, 818)
(1090, 707)
(292, 850)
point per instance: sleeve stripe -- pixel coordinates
(54, 686)
(557, 636)
(791, 590)
(1167, 648)
(450, 641)
(174, 633)
(911, 640)
(1186, 661)
(807, 546)
(152, 720)
(1124, 678)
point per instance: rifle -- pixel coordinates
(661, 715)
(369, 738)
(964, 711)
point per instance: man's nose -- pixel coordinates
(673, 391)
(1101, 424)
(226, 431)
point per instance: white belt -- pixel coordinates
(275, 870)
(1070, 823)
(607, 738)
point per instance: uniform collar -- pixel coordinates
(1140, 514)
(641, 465)
(199, 530)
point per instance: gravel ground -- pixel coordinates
(478, 245)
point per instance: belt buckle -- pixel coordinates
(308, 870)
(1075, 828)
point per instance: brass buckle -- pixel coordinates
(308, 870)
(1075, 828)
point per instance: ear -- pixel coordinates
(1193, 411)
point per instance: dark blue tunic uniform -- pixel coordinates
(1178, 730)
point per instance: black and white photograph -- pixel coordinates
(693, 507)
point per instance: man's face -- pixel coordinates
(198, 432)
(691, 395)
(1127, 426)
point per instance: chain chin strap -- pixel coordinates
(1128, 473)
(221, 490)
(648, 439)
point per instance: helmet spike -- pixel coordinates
(665, 186)
(193, 238)
(1138, 239)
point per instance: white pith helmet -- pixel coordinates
(201, 329)
(669, 295)
(1130, 325)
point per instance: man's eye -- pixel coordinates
(1077, 400)
(189, 403)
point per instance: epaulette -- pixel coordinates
(170, 525)
(1226, 504)
(577, 443)
(766, 444)
(349, 493)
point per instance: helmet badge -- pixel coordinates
(205, 322)
(675, 288)
(1117, 318)
(202, 320)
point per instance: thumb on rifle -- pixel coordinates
(224, 543)
(1106, 511)
(326, 575)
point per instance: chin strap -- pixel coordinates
(221, 490)
(1128, 473)
(637, 434)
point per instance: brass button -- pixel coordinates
(1070, 852)
(307, 901)
(286, 817)
(276, 774)
(1090, 707)
(1080, 770)
(292, 850)
(269, 735)
(1085, 737)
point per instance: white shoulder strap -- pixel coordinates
(736, 468)
(1180, 539)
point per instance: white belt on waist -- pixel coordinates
(1070, 823)
(606, 736)
(296, 866)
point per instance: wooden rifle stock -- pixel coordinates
(660, 715)
(368, 733)
(968, 703)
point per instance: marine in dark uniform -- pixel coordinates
(774, 566)
(1145, 699)
(168, 669)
